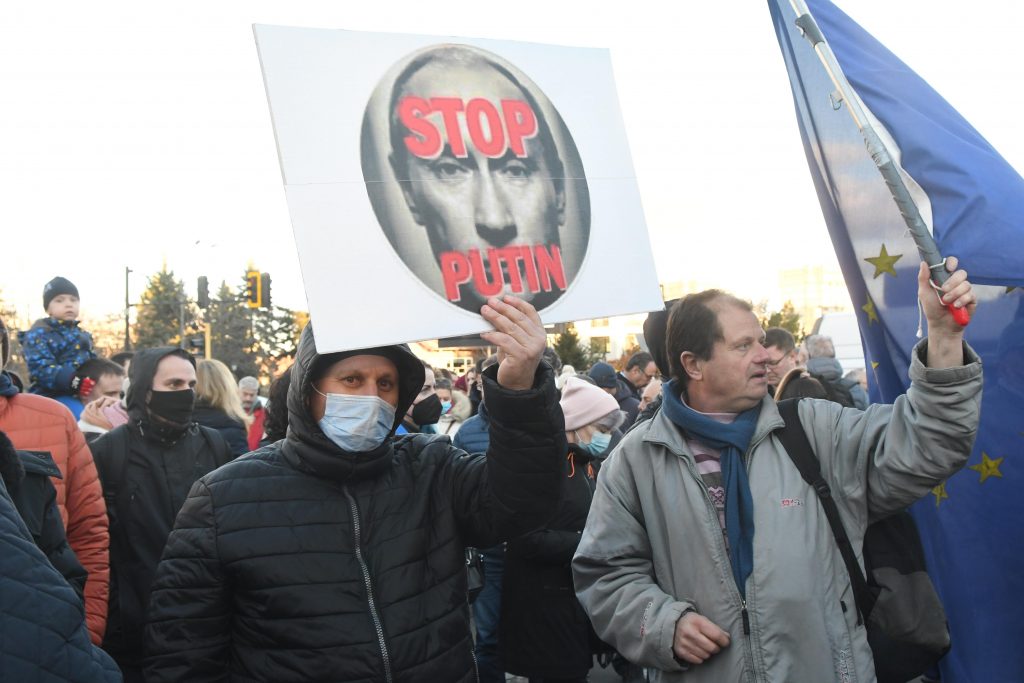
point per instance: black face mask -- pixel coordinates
(173, 406)
(427, 411)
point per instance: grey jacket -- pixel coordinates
(653, 548)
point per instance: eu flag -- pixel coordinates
(973, 202)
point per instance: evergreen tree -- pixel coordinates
(787, 319)
(231, 337)
(160, 311)
(277, 336)
(568, 348)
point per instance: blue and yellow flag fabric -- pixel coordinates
(973, 525)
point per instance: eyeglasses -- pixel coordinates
(775, 363)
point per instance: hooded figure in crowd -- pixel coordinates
(545, 634)
(337, 553)
(147, 468)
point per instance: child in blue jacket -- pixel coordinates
(55, 346)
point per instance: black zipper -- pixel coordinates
(377, 624)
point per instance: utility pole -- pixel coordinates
(127, 310)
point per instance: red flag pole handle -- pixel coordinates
(939, 276)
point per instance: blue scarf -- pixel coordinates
(732, 440)
(7, 387)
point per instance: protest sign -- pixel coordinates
(424, 175)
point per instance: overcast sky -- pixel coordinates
(133, 132)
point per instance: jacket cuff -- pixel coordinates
(62, 380)
(920, 372)
(667, 638)
(514, 407)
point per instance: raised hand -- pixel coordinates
(519, 335)
(945, 335)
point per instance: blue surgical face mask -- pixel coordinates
(356, 423)
(599, 442)
(445, 407)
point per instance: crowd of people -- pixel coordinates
(163, 521)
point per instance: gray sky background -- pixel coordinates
(137, 132)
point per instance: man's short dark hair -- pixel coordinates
(122, 357)
(693, 326)
(462, 54)
(640, 359)
(780, 338)
(442, 383)
(94, 368)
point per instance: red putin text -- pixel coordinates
(541, 264)
(507, 127)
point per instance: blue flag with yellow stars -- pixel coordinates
(973, 201)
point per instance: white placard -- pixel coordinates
(425, 174)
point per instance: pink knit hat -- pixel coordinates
(583, 403)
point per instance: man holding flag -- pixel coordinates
(891, 159)
(705, 551)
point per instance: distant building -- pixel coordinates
(814, 290)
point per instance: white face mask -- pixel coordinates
(356, 423)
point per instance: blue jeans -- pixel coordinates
(486, 613)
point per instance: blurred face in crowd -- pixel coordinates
(63, 307)
(361, 375)
(108, 385)
(651, 391)
(173, 373)
(734, 377)
(640, 377)
(426, 391)
(779, 364)
(445, 395)
(248, 397)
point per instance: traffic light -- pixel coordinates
(265, 290)
(252, 289)
(203, 292)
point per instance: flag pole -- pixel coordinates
(880, 155)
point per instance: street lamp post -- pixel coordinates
(127, 308)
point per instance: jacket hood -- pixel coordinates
(306, 442)
(140, 374)
(829, 368)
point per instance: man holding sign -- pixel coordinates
(337, 553)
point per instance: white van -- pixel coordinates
(842, 327)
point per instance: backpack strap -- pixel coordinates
(112, 469)
(794, 440)
(217, 444)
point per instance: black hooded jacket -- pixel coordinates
(146, 475)
(544, 631)
(303, 562)
(26, 475)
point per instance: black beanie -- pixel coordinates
(57, 286)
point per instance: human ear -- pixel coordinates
(692, 366)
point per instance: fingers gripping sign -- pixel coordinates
(519, 335)
(697, 638)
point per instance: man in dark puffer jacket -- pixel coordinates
(306, 561)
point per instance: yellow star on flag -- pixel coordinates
(940, 492)
(884, 262)
(988, 467)
(874, 365)
(869, 308)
